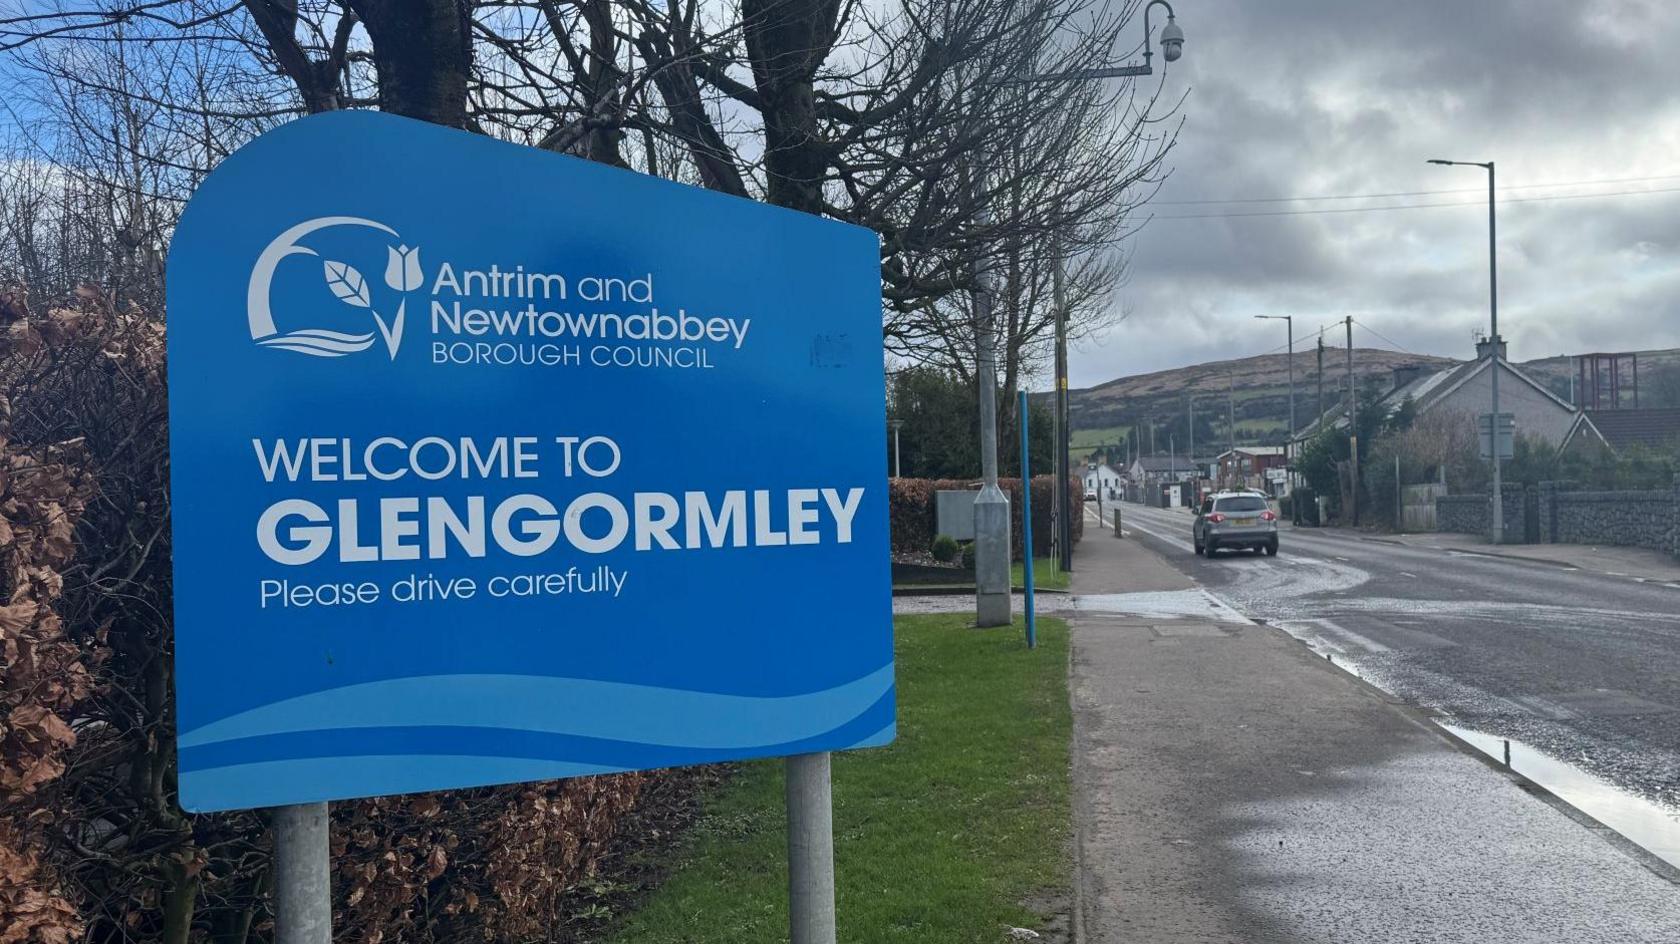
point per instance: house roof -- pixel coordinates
(1426, 391)
(1623, 429)
(1254, 451)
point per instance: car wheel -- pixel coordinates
(1209, 549)
(1271, 549)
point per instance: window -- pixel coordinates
(1242, 503)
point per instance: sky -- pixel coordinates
(1294, 98)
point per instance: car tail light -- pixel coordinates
(1267, 516)
(1215, 518)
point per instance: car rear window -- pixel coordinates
(1241, 503)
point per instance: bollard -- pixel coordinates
(1117, 531)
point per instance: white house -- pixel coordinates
(1150, 469)
(1103, 480)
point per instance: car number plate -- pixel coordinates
(1244, 522)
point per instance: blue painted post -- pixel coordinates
(1026, 525)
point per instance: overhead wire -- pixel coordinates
(1413, 206)
(1420, 193)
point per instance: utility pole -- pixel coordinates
(1064, 503)
(992, 547)
(1493, 313)
(1493, 344)
(1191, 399)
(1289, 440)
(1231, 405)
(1321, 379)
(1353, 424)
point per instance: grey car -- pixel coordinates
(1235, 519)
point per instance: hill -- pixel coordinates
(1256, 390)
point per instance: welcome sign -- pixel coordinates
(493, 465)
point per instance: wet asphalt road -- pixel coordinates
(1583, 666)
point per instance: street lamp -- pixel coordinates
(1493, 345)
(1172, 47)
(1289, 441)
(898, 470)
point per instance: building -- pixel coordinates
(1150, 469)
(1467, 389)
(1102, 479)
(1248, 467)
(1621, 430)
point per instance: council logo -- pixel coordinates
(344, 282)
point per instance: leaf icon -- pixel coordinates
(347, 284)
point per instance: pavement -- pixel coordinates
(1234, 785)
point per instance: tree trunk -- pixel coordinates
(178, 901)
(787, 40)
(423, 51)
(317, 81)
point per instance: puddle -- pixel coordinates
(1163, 604)
(1652, 827)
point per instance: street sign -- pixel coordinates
(1507, 434)
(493, 465)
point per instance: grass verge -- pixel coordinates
(1047, 574)
(943, 837)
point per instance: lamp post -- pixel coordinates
(1172, 46)
(898, 470)
(1493, 344)
(1289, 441)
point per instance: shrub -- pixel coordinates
(945, 549)
(968, 555)
(86, 649)
(911, 510)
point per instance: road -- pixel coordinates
(1583, 667)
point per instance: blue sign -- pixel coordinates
(494, 465)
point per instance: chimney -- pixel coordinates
(1405, 375)
(1484, 344)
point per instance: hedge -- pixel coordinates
(912, 511)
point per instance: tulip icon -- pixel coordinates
(402, 272)
(402, 268)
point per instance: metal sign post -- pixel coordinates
(1026, 524)
(302, 875)
(810, 820)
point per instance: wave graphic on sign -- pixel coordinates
(393, 767)
(392, 736)
(591, 708)
(320, 342)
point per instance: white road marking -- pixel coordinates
(1342, 632)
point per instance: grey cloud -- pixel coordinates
(1297, 97)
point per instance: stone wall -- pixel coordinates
(1646, 518)
(1463, 514)
(1469, 514)
(1624, 519)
